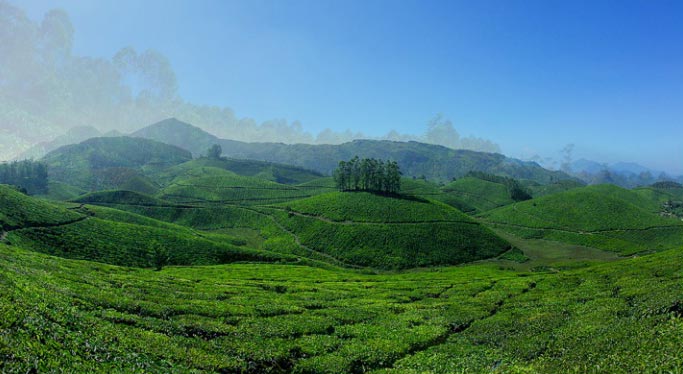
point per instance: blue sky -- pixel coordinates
(529, 75)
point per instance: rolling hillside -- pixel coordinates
(603, 216)
(120, 238)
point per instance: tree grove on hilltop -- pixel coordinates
(368, 174)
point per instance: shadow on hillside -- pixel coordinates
(392, 195)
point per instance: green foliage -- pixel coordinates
(227, 187)
(159, 256)
(28, 174)
(606, 217)
(285, 174)
(80, 316)
(118, 197)
(368, 174)
(214, 152)
(514, 189)
(18, 210)
(368, 207)
(365, 229)
(475, 195)
(514, 254)
(106, 163)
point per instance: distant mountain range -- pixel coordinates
(625, 174)
(415, 159)
(73, 136)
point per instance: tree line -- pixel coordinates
(29, 175)
(368, 174)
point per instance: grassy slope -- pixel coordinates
(217, 185)
(479, 194)
(264, 170)
(111, 236)
(606, 217)
(106, 163)
(19, 210)
(119, 197)
(79, 316)
(387, 232)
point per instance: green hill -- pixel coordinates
(111, 236)
(478, 194)
(602, 216)
(538, 190)
(218, 185)
(112, 163)
(18, 210)
(365, 229)
(284, 174)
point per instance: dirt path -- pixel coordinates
(298, 242)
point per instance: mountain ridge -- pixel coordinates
(416, 159)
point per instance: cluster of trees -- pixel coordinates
(214, 152)
(515, 190)
(368, 174)
(28, 175)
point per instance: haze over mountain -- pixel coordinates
(47, 90)
(416, 159)
(625, 174)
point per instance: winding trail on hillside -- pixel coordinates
(580, 232)
(4, 234)
(349, 222)
(298, 242)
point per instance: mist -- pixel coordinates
(45, 90)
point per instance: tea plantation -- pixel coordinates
(83, 316)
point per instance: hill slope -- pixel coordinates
(416, 159)
(602, 216)
(387, 232)
(117, 238)
(105, 163)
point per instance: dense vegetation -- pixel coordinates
(80, 316)
(368, 174)
(365, 229)
(606, 217)
(106, 163)
(28, 174)
(514, 189)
